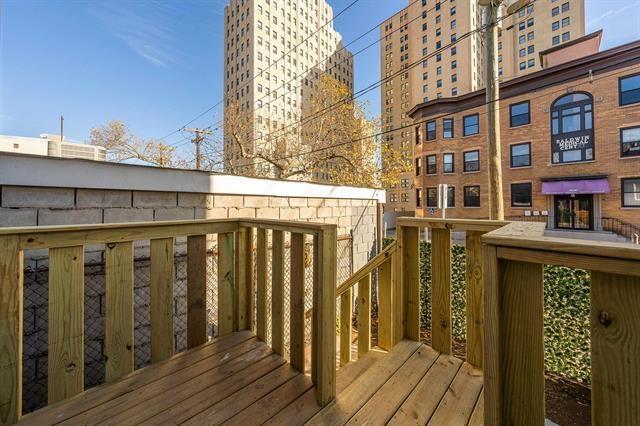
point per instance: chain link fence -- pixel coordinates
(35, 332)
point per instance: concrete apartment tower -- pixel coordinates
(258, 33)
(454, 64)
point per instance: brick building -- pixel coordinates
(570, 142)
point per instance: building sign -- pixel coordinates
(577, 147)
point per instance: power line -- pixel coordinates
(269, 66)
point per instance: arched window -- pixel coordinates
(572, 128)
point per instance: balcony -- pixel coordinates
(271, 369)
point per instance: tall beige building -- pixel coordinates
(259, 80)
(424, 46)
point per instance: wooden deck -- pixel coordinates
(239, 380)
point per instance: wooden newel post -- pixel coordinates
(323, 340)
(408, 274)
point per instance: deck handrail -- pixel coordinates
(236, 304)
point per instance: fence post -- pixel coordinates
(364, 315)
(323, 370)
(244, 279)
(386, 317)
(296, 298)
(474, 284)
(11, 320)
(196, 290)
(277, 292)
(161, 283)
(226, 281)
(441, 290)
(261, 284)
(408, 271)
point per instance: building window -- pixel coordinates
(432, 197)
(565, 7)
(631, 192)
(393, 198)
(431, 130)
(555, 11)
(432, 165)
(521, 155)
(448, 165)
(418, 197)
(629, 88)
(471, 125)
(519, 114)
(566, 21)
(521, 194)
(471, 161)
(472, 196)
(447, 128)
(572, 128)
(555, 40)
(404, 197)
(418, 166)
(630, 142)
(417, 130)
(451, 196)
(523, 65)
(566, 36)
(555, 26)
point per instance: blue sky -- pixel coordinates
(156, 64)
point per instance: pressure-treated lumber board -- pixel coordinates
(196, 290)
(296, 302)
(261, 284)
(346, 326)
(474, 299)
(222, 411)
(66, 323)
(385, 304)
(360, 391)
(425, 397)
(477, 417)
(244, 274)
(161, 283)
(11, 320)
(615, 345)
(441, 290)
(364, 315)
(386, 401)
(410, 253)
(99, 395)
(263, 409)
(277, 292)
(119, 306)
(323, 340)
(226, 281)
(491, 343)
(458, 403)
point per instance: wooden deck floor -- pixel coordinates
(239, 380)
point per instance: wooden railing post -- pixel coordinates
(244, 277)
(119, 306)
(441, 290)
(474, 284)
(386, 315)
(66, 323)
(346, 325)
(514, 355)
(161, 283)
(196, 290)
(11, 320)
(277, 292)
(364, 315)
(297, 282)
(226, 266)
(408, 273)
(261, 284)
(323, 367)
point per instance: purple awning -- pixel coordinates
(585, 186)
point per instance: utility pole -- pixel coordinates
(61, 128)
(198, 137)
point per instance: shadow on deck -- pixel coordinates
(237, 379)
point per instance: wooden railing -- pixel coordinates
(514, 379)
(236, 303)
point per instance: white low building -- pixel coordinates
(52, 146)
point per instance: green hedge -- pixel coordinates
(566, 312)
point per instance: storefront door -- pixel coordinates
(574, 211)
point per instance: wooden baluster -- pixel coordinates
(297, 283)
(11, 320)
(161, 283)
(323, 341)
(277, 292)
(244, 275)
(66, 323)
(196, 290)
(119, 306)
(385, 304)
(513, 354)
(441, 290)
(261, 284)
(615, 345)
(474, 285)
(346, 325)
(408, 271)
(364, 315)
(226, 280)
